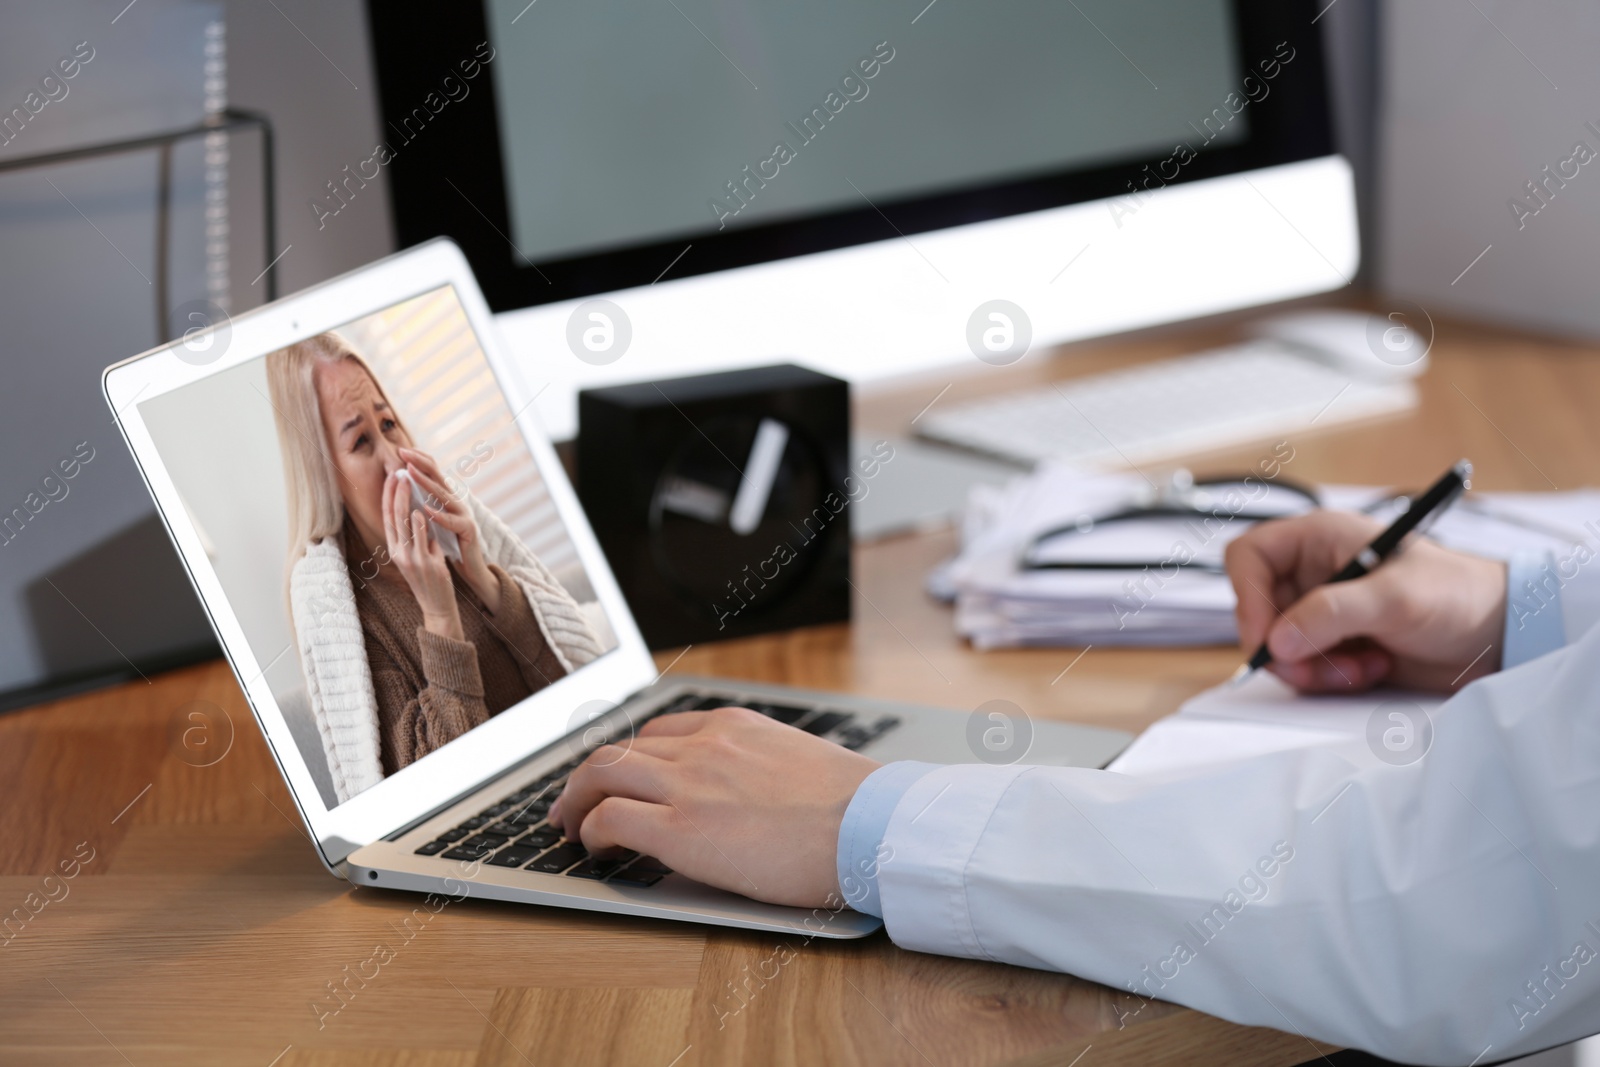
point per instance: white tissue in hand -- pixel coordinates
(447, 540)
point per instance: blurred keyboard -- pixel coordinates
(1167, 409)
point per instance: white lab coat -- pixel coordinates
(1446, 912)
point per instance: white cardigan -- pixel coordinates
(333, 651)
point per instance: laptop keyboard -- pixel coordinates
(515, 833)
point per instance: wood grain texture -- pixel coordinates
(1185, 1040)
(202, 930)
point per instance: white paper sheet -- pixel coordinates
(1265, 715)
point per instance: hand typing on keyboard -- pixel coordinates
(730, 798)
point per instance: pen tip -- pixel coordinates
(1244, 671)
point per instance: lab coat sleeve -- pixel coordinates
(1549, 602)
(1534, 609)
(1441, 912)
(861, 831)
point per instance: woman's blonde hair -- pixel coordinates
(316, 507)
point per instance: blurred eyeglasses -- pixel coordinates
(1245, 498)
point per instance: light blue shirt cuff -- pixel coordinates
(866, 820)
(1533, 608)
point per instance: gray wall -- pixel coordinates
(324, 105)
(77, 291)
(91, 582)
(1478, 99)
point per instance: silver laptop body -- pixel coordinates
(467, 820)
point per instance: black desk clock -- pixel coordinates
(722, 500)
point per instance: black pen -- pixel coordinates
(1431, 504)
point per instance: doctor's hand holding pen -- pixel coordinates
(1428, 618)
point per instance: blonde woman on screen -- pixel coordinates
(404, 648)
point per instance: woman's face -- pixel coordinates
(364, 437)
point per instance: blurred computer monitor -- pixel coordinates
(854, 184)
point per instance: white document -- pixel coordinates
(1265, 715)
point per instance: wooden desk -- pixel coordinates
(203, 930)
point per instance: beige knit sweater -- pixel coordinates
(333, 643)
(433, 689)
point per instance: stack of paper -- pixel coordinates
(1000, 603)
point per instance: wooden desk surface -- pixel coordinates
(200, 929)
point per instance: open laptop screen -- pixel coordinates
(385, 637)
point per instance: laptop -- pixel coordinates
(407, 777)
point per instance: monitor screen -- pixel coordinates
(621, 125)
(394, 611)
(575, 149)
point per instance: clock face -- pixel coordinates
(738, 513)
